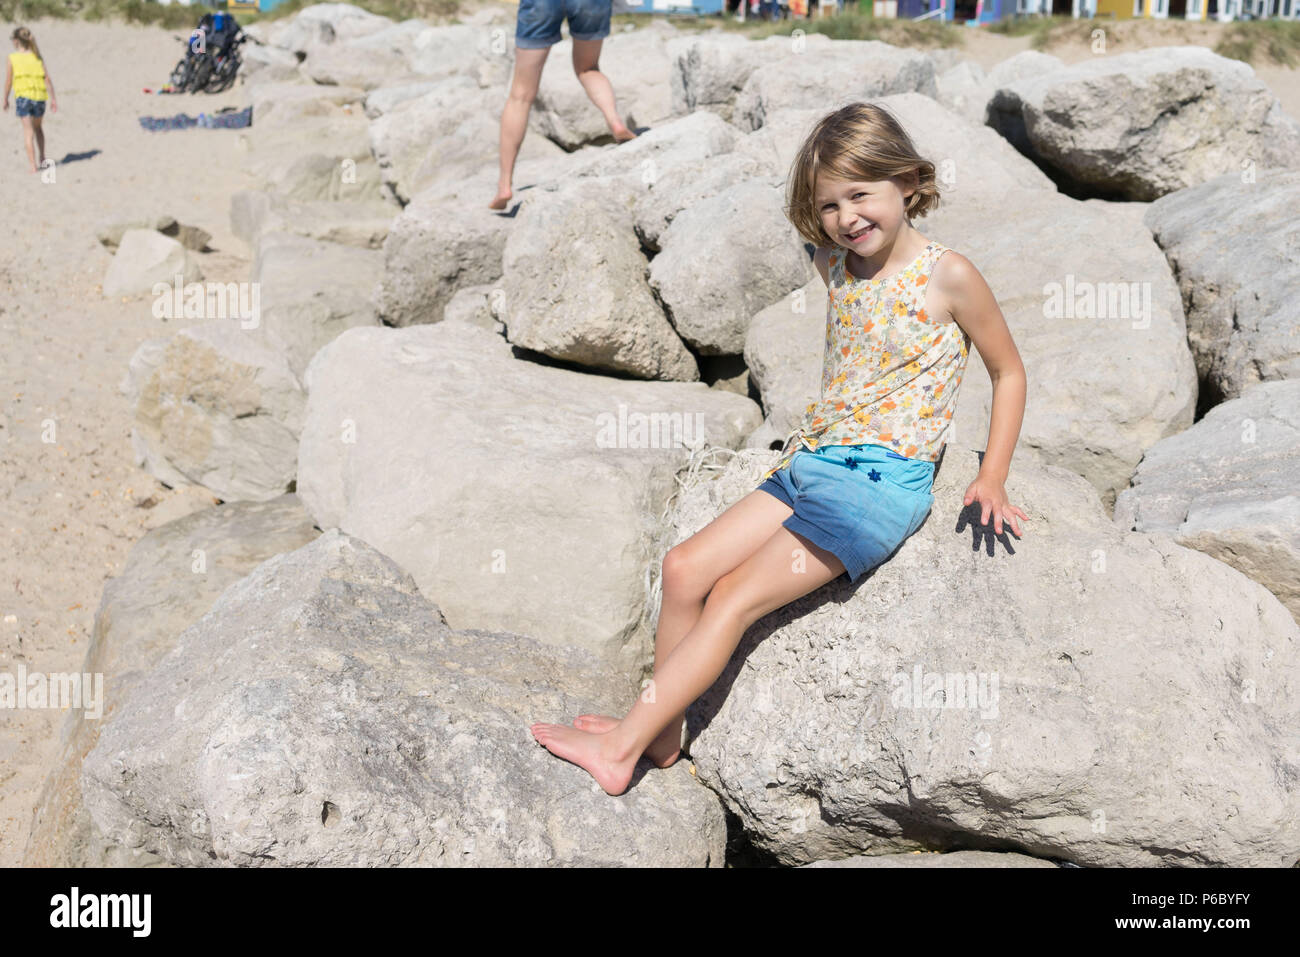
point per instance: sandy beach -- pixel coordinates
(74, 500)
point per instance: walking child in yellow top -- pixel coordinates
(31, 84)
(901, 313)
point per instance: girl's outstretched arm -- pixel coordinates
(9, 81)
(975, 309)
(49, 84)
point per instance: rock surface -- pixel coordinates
(323, 714)
(146, 258)
(215, 407)
(171, 578)
(1140, 125)
(1240, 279)
(1087, 694)
(1229, 487)
(490, 479)
(953, 859)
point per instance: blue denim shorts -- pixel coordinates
(538, 23)
(26, 107)
(859, 502)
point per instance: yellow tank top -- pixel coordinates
(891, 372)
(29, 75)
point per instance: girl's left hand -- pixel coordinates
(991, 494)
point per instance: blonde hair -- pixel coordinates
(860, 141)
(24, 36)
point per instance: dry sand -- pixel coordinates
(72, 507)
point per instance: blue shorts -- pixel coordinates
(859, 502)
(538, 22)
(26, 107)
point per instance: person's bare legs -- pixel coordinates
(514, 117)
(690, 570)
(39, 131)
(586, 64)
(29, 137)
(784, 568)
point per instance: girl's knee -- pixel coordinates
(684, 576)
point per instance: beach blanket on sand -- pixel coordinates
(222, 119)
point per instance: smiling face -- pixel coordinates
(861, 215)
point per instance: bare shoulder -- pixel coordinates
(822, 259)
(955, 278)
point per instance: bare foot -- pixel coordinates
(501, 199)
(591, 752)
(662, 755)
(623, 134)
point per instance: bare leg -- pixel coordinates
(514, 117)
(586, 64)
(690, 571)
(40, 137)
(784, 568)
(28, 138)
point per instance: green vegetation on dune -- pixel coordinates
(1275, 41)
(1252, 40)
(174, 15)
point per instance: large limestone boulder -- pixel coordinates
(668, 190)
(214, 406)
(171, 578)
(458, 460)
(323, 23)
(350, 64)
(434, 248)
(782, 359)
(1228, 487)
(964, 89)
(921, 859)
(698, 137)
(263, 63)
(1076, 280)
(709, 71)
(323, 157)
(286, 103)
(639, 69)
(1140, 125)
(110, 231)
(311, 291)
(723, 260)
(1235, 250)
(380, 101)
(254, 213)
(972, 163)
(574, 280)
(445, 135)
(1097, 696)
(482, 51)
(850, 71)
(144, 259)
(322, 713)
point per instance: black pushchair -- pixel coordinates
(211, 60)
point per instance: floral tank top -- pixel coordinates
(890, 372)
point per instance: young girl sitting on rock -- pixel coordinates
(901, 313)
(30, 82)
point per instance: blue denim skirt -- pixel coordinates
(537, 23)
(26, 107)
(859, 502)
